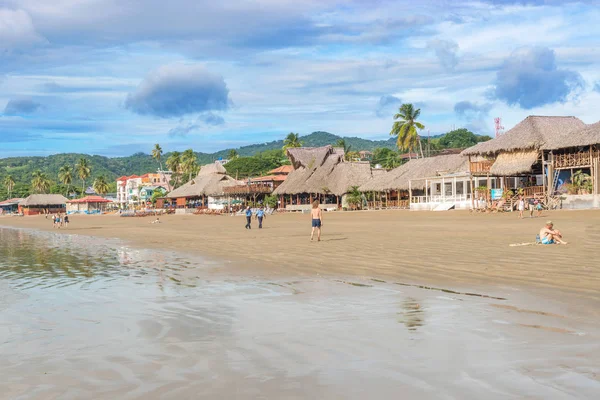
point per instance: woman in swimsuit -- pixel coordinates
(317, 220)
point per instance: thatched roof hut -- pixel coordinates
(322, 170)
(210, 181)
(44, 200)
(514, 163)
(399, 178)
(533, 133)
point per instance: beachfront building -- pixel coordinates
(87, 205)
(10, 206)
(146, 192)
(543, 157)
(160, 178)
(133, 190)
(423, 184)
(206, 190)
(320, 173)
(254, 190)
(43, 204)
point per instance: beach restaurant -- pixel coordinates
(206, 190)
(87, 205)
(43, 203)
(320, 173)
(10, 206)
(544, 156)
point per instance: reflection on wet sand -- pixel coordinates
(86, 318)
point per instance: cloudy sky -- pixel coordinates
(113, 77)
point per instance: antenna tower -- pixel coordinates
(498, 125)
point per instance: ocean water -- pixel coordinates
(87, 318)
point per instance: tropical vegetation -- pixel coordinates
(405, 129)
(100, 185)
(83, 171)
(40, 183)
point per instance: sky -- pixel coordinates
(114, 77)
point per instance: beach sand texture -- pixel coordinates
(455, 248)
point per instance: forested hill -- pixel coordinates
(21, 168)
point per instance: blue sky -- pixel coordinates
(113, 77)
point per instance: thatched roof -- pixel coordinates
(210, 181)
(44, 200)
(214, 168)
(531, 133)
(514, 163)
(586, 136)
(323, 170)
(309, 157)
(398, 178)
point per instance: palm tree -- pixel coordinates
(40, 182)
(292, 140)
(406, 128)
(233, 154)
(392, 161)
(156, 154)
(9, 182)
(354, 197)
(65, 175)
(174, 165)
(83, 171)
(342, 143)
(189, 162)
(100, 185)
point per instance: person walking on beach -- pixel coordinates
(260, 214)
(317, 220)
(521, 206)
(248, 218)
(531, 206)
(66, 221)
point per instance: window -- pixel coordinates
(460, 188)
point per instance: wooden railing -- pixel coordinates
(480, 167)
(573, 160)
(375, 205)
(256, 188)
(532, 190)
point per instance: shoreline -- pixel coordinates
(393, 246)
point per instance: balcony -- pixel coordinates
(480, 167)
(572, 160)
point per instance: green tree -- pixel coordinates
(189, 163)
(174, 165)
(342, 143)
(65, 176)
(460, 138)
(405, 128)
(100, 185)
(260, 164)
(380, 154)
(292, 140)
(354, 198)
(157, 153)
(232, 155)
(9, 183)
(392, 161)
(40, 182)
(83, 171)
(157, 194)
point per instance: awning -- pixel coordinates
(514, 163)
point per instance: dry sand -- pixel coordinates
(451, 249)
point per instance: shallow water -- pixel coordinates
(92, 318)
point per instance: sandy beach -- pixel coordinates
(455, 249)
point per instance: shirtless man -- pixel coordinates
(317, 220)
(549, 235)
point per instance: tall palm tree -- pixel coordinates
(157, 152)
(174, 165)
(189, 162)
(392, 161)
(405, 128)
(40, 182)
(9, 182)
(292, 140)
(65, 175)
(233, 154)
(83, 171)
(100, 185)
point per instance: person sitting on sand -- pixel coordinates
(549, 235)
(317, 220)
(156, 221)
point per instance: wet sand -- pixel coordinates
(83, 318)
(450, 249)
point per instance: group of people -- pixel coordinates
(316, 215)
(533, 205)
(60, 220)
